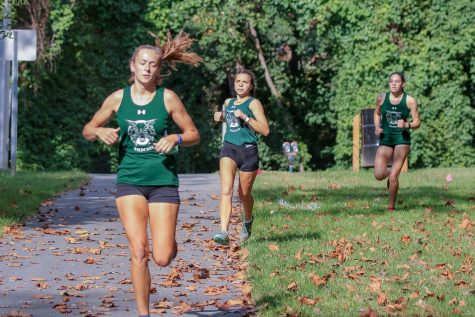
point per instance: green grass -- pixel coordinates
(418, 260)
(21, 195)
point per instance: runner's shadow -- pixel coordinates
(285, 236)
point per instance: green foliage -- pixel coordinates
(434, 50)
(342, 53)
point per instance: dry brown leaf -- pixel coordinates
(62, 308)
(424, 306)
(382, 299)
(466, 224)
(369, 313)
(309, 301)
(447, 274)
(47, 202)
(42, 285)
(398, 305)
(317, 280)
(273, 247)
(292, 286)
(334, 186)
(210, 290)
(462, 283)
(214, 196)
(181, 308)
(16, 313)
(201, 274)
(164, 304)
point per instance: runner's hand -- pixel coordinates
(378, 130)
(108, 135)
(401, 123)
(165, 144)
(239, 114)
(218, 116)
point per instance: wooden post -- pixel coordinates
(356, 143)
(405, 166)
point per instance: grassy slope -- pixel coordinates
(350, 253)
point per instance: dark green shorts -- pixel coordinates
(392, 139)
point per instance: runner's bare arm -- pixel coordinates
(259, 124)
(412, 105)
(377, 114)
(190, 134)
(95, 129)
(219, 115)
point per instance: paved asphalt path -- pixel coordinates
(71, 259)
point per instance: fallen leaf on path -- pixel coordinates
(62, 308)
(231, 303)
(47, 203)
(16, 313)
(201, 274)
(164, 304)
(210, 290)
(42, 296)
(181, 308)
(42, 285)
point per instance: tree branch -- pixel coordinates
(263, 62)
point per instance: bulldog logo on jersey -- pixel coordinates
(392, 117)
(232, 121)
(141, 132)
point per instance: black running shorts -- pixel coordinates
(154, 194)
(246, 156)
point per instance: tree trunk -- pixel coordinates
(262, 60)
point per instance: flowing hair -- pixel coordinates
(173, 51)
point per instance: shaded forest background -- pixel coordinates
(317, 63)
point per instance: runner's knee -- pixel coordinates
(245, 195)
(225, 190)
(139, 254)
(163, 259)
(393, 178)
(379, 175)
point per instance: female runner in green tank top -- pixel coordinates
(147, 184)
(244, 116)
(392, 125)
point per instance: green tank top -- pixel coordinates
(140, 128)
(237, 131)
(390, 114)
